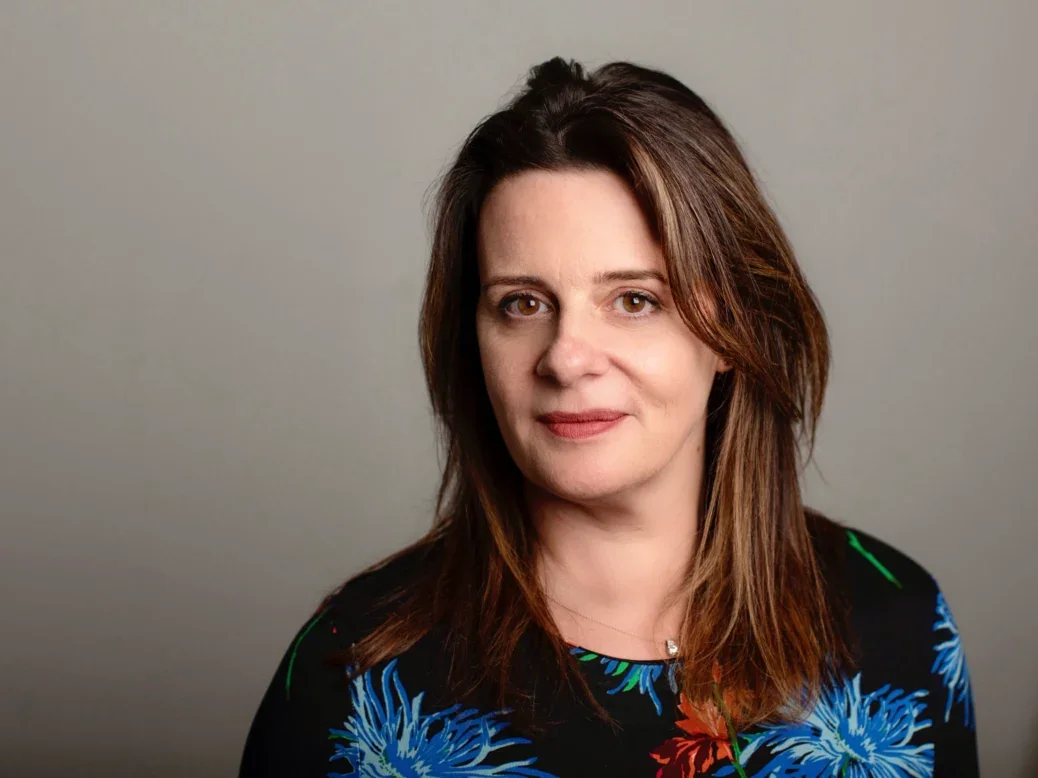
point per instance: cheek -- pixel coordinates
(503, 369)
(673, 371)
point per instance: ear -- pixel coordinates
(723, 365)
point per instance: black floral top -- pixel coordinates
(907, 710)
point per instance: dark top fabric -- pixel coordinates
(906, 711)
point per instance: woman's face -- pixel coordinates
(576, 316)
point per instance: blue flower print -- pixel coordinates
(950, 663)
(849, 735)
(387, 736)
(633, 675)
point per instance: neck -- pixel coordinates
(620, 561)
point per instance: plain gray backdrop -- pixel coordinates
(212, 245)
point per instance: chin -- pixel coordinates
(584, 482)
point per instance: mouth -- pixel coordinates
(583, 424)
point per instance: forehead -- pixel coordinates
(565, 223)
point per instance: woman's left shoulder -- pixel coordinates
(872, 569)
(875, 567)
(909, 640)
(894, 598)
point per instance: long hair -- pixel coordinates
(763, 619)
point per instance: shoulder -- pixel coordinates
(885, 584)
(352, 609)
(310, 688)
(317, 653)
(895, 602)
(873, 582)
(866, 566)
(367, 598)
(876, 566)
(909, 640)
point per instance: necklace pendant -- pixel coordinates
(672, 648)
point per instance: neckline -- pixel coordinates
(575, 648)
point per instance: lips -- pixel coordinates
(581, 424)
(581, 417)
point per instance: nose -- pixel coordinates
(572, 354)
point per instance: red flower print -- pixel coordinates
(707, 741)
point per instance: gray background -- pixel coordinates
(212, 245)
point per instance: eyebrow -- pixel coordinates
(600, 278)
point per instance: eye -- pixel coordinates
(527, 305)
(638, 303)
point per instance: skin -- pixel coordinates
(615, 513)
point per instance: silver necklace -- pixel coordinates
(671, 645)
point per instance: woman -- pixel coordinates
(621, 578)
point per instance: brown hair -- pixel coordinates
(763, 611)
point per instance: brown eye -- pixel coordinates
(635, 302)
(520, 305)
(528, 305)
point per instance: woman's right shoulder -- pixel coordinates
(365, 599)
(309, 691)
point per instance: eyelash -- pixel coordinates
(652, 300)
